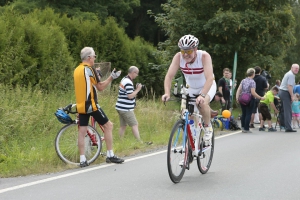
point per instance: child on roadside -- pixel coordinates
(296, 111)
(264, 109)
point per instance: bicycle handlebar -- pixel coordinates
(68, 109)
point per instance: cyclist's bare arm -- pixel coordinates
(102, 85)
(170, 75)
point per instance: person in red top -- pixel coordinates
(87, 83)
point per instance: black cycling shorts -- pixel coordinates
(98, 115)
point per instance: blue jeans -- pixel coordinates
(246, 114)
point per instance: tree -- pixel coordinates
(143, 25)
(293, 53)
(260, 30)
(85, 9)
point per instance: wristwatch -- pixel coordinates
(202, 95)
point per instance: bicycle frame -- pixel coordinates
(188, 134)
(185, 144)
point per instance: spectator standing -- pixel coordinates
(296, 110)
(224, 88)
(296, 88)
(247, 85)
(286, 96)
(87, 82)
(277, 83)
(126, 102)
(264, 109)
(261, 85)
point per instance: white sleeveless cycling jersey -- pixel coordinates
(194, 72)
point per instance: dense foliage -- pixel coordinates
(40, 38)
(261, 31)
(42, 48)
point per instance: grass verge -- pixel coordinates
(28, 128)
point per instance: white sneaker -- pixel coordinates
(207, 133)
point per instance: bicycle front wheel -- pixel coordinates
(207, 152)
(177, 152)
(66, 144)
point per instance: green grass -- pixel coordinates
(28, 128)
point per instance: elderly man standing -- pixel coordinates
(126, 102)
(286, 96)
(87, 82)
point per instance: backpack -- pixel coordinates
(244, 97)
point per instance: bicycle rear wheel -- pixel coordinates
(177, 157)
(66, 144)
(207, 152)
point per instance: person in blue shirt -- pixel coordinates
(296, 88)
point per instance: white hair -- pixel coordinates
(86, 52)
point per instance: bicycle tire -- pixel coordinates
(204, 160)
(177, 157)
(66, 145)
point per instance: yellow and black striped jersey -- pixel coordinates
(85, 79)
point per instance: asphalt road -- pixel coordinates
(260, 165)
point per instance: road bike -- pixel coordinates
(185, 145)
(66, 141)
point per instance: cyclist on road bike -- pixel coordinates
(87, 83)
(196, 65)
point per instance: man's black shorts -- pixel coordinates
(98, 115)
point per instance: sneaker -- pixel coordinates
(246, 131)
(207, 133)
(251, 126)
(261, 129)
(282, 127)
(149, 143)
(272, 129)
(114, 159)
(83, 164)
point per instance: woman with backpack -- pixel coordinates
(245, 96)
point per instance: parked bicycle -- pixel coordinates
(66, 141)
(185, 145)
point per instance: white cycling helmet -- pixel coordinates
(188, 42)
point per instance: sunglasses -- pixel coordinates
(93, 56)
(189, 52)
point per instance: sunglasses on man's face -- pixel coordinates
(189, 52)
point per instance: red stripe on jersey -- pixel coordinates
(192, 70)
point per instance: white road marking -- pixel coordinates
(91, 169)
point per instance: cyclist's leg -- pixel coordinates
(107, 125)
(83, 122)
(205, 107)
(206, 112)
